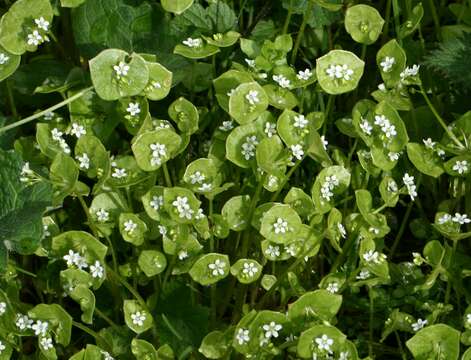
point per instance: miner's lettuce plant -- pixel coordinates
(186, 179)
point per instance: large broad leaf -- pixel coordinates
(436, 341)
(21, 209)
(176, 6)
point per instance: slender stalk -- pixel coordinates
(436, 20)
(397, 19)
(168, 180)
(370, 342)
(381, 208)
(44, 112)
(23, 271)
(301, 32)
(92, 333)
(288, 18)
(285, 180)
(386, 21)
(128, 286)
(11, 98)
(105, 317)
(448, 285)
(399, 344)
(439, 118)
(402, 228)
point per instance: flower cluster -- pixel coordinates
(339, 72)
(328, 186)
(39, 32)
(183, 207)
(249, 146)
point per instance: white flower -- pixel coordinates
(162, 230)
(386, 127)
(158, 151)
(242, 336)
(26, 172)
(3, 58)
(121, 69)
(339, 72)
(138, 318)
(333, 287)
(250, 62)
(252, 97)
(156, 85)
(331, 181)
(84, 161)
(282, 81)
(46, 343)
(382, 87)
(461, 166)
(205, 187)
(272, 180)
(441, 153)
(417, 258)
(40, 327)
(374, 257)
(468, 318)
(461, 219)
(392, 186)
(182, 255)
(248, 148)
(380, 120)
(156, 202)
(119, 173)
(270, 129)
(304, 75)
(56, 134)
(81, 263)
(42, 23)
(72, 258)
(97, 270)
(46, 232)
(366, 127)
(183, 208)
(130, 226)
(409, 183)
(249, 269)
(271, 329)
(419, 324)
(133, 109)
(106, 355)
(297, 151)
(324, 142)
(342, 230)
(217, 268)
(273, 251)
(197, 177)
(363, 275)
(78, 130)
(102, 215)
(393, 156)
(429, 144)
(413, 71)
(291, 250)
(300, 121)
(64, 146)
(387, 63)
(324, 343)
(2, 347)
(23, 322)
(35, 38)
(193, 43)
(280, 226)
(227, 125)
(344, 355)
(3, 308)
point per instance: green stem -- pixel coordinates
(399, 344)
(92, 333)
(288, 18)
(402, 228)
(386, 21)
(397, 19)
(11, 98)
(23, 271)
(439, 118)
(381, 208)
(370, 342)
(285, 180)
(44, 112)
(128, 286)
(168, 180)
(106, 318)
(448, 285)
(301, 32)
(436, 20)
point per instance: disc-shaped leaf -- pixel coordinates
(425, 160)
(223, 40)
(434, 341)
(18, 22)
(246, 270)
(8, 63)
(280, 224)
(236, 212)
(339, 71)
(116, 74)
(203, 175)
(201, 51)
(228, 81)
(210, 268)
(330, 182)
(247, 102)
(132, 228)
(153, 202)
(154, 148)
(391, 60)
(176, 6)
(159, 83)
(59, 320)
(152, 262)
(181, 204)
(98, 164)
(300, 202)
(185, 114)
(86, 299)
(136, 317)
(279, 97)
(318, 304)
(413, 22)
(363, 23)
(241, 145)
(142, 349)
(308, 339)
(64, 175)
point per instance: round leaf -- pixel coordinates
(363, 23)
(247, 102)
(210, 268)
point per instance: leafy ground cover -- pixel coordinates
(215, 179)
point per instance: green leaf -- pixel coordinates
(223, 40)
(300, 202)
(21, 208)
(318, 304)
(363, 23)
(210, 268)
(214, 345)
(152, 262)
(160, 81)
(185, 114)
(280, 224)
(174, 200)
(236, 212)
(72, 3)
(8, 63)
(339, 71)
(246, 270)
(142, 349)
(247, 102)
(241, 145)
(86, 299)
(60, 322)
(18, 22)
(116, 74)
(434, 341)
(132, 228)
(330, 182)
(226, 82)
(391, 60)
(425, 160)
(306, 343)
(201, 51)
(413, 22)
(64, 176)
(136, 317)
(154, 148)
(176, 6)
